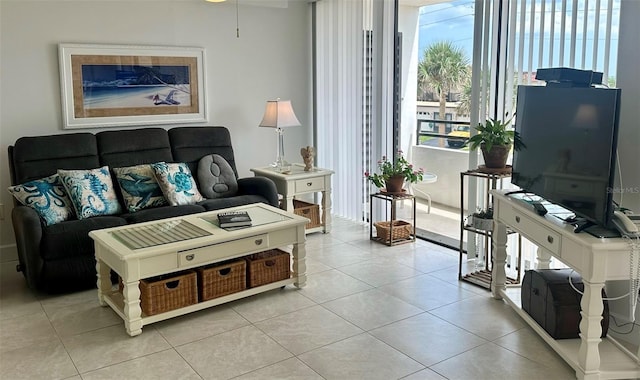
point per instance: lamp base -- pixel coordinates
(281, 166)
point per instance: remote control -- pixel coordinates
(540, 209)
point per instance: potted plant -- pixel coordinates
(495, 142)
(393, 174)
(482, 219)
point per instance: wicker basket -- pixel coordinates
(401, 230)
(222, 279)
(310, 211)
(268, 266)
(161, 294)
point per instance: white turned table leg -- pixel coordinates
(288, 203)
(499, 259)
(103, 282)
(543, 258)
(590, 330)
(299, 261)
(132, 310)
(326, 210)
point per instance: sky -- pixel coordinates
(453, 21)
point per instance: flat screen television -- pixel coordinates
(571, 136)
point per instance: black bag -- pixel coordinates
(549, 299)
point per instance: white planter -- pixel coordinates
(481, 224)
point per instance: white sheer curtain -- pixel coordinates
(353, 92)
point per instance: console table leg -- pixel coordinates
(590, 329)
(499, 259)
(132, 310)
(543, 258)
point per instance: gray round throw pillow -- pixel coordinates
(216, 177)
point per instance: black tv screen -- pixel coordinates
(570, 135)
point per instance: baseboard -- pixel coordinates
(8, 253)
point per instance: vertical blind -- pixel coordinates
(339, 90)
(515, 38)
(521, 36)
(562, 33)
(351, 106)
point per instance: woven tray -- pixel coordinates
(268, 266)
(161, 294)
(401, 230)
(310, 211)
(222, 279)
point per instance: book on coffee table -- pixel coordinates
(234, 219)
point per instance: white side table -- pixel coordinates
(298, 182)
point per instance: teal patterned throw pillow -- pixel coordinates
(47, 196)
(91, 192)
(139, 187)
(177, 183)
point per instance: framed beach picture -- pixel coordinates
(119, 85)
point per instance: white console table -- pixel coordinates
(597, 260)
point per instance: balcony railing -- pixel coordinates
(428, 128)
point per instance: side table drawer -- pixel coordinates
(216, 252)
(536, 232)
(309, 184)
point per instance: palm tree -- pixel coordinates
(464, 105)
(443, 67)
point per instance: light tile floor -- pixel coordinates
(368, 312)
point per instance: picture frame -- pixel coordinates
(122, 85)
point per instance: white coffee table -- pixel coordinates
(170, 245)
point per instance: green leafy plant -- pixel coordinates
(389, 169)
(483, 214)
(495, 132)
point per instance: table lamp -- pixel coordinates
(279, 114)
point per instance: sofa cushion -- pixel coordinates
(41, 156)
(71, 238)
(216, 178)
(91, 192)
(133, 147)
(161, 213)
(177, 183)
(190, 144)
(47, 196)
(139, 187)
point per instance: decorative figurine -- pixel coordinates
(307, 156)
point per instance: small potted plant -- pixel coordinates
(393, 174)
(482, 219)
(495, 142)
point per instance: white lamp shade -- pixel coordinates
(279, 114)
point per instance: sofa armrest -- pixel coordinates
(259, 186)
(28, 232)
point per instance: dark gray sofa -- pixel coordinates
(60, 257)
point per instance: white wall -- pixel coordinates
(270, 59)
